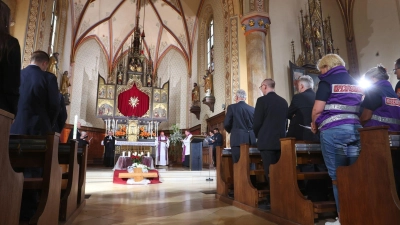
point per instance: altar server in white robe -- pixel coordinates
(162, 143)
(186, 149)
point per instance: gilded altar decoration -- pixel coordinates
(133, 96)
(260, 22)
(244, 27)
(251, 23)
(316, 35)
(65, 83)
(53, 64)
(133, 101)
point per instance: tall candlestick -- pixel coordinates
(75, 127)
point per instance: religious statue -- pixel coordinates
(64, 83)
(195, 94)
(208, 84)
(53, 64)
(120, 77)
(148, 80)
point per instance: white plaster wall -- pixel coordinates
(377, 30)
(284, 16)
(331, 8)
(84, 84)
(173, 68)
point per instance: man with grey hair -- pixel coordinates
(239, 123)
(300, 110)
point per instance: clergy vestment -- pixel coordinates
(162, 143)
(186, 151)
(109, 144)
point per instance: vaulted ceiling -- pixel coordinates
(167, 24)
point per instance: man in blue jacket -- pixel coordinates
(39, 101)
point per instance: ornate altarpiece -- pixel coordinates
(316, 41)
(133, 80)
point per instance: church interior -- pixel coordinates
(186, 59)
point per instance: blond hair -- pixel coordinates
(330, 61)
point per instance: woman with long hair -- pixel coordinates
(10, 63)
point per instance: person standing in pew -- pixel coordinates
(109, 149)
(381, 106)
(10, 63)
(335, 116)
(300, 115)
(270, 124)
(217, 141)
(38, 105)
(300, 110)
(239, 123)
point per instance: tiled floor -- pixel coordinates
(172, 202)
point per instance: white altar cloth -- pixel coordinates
(135, 143)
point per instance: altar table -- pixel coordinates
(125, 161)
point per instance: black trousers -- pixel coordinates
(214, 155)
(186, 163)
(269, 157)
(235, 153)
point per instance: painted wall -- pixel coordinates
(284, 29)
(377, 32)
(89, 62)
(173, 69)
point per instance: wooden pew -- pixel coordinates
(82, 161)
(244, 191)
(67, 154)
(224, 171)
(11, 182)
(40, 152)
(367, 192)
(286, 199)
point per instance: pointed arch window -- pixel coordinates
(210, 46)
(54, 24)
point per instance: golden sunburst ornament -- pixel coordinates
(133, 101)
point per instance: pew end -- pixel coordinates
(11, 182)
(367, 191)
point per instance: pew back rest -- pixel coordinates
(28, 151)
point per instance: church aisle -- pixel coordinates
(166, 203)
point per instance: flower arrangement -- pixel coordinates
(143, 133)
(176, 135)
(137, 159)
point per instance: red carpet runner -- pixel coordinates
(117, 180)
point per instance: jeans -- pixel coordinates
(340, 146)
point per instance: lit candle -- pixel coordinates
(135, 153)
(75, 127)
(148, 154)
(129, 154)
(123, 153)
(141, 153)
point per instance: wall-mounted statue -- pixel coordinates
(195, 94)
(65, 84)
(208, 84)
(53, 64)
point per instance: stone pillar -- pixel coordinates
(255, 25)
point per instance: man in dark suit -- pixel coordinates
(38, 104)
(270, 124)
(239, 123)
(300, 110)
(217, 141)
(109, 144)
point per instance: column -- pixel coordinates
(255, 25)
